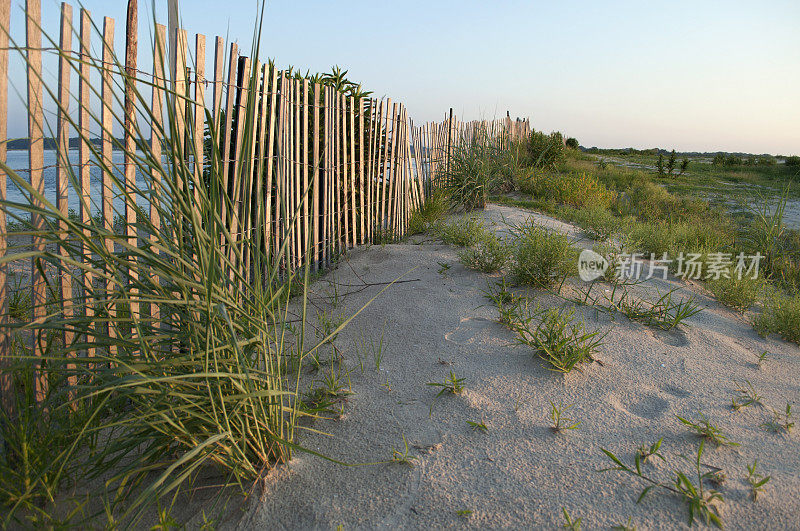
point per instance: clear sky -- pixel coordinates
(695, 76)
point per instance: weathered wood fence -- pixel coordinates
(334, 170)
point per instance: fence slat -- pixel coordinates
(63, 167)
(361, 185)
(304, 190)
(199, 111)
(316, 222)
(156, 135)
(107, 134)
(33, 9)
(351, 185)
(6, 381)
(131, 51)
(84, 155)
(269, 231)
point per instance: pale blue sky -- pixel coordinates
(701, 75)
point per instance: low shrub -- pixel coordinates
(542, 258)
(781, 316)
(576, 190)
(461, 232)
(597, 222)
(488, 255)
(433, 209)
(557, 338)
(737, 293)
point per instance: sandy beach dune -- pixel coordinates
(520, 474)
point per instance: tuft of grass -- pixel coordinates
(756, 480)
(747, 395)
(474, 168)
(663, 313)
(708, 431)
(507, 304)
(461, 232)
(435, 207)
(645, 453)
(559, 421)
(488, 255)
(571, 523)
(738, 293)
(403, 456)
(542, 258)
(781, 422)
(556, 337)
(452, 384)
(781, 315)
(465, 513)
(762, 358)
(628, 526)
(701, 502)
(478, 426)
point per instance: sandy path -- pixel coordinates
(520, 474)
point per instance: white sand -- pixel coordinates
(520, 474)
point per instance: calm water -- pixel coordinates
(18, 160)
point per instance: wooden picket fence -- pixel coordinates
(336, 170)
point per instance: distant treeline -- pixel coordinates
(74, 143)
(721, 158)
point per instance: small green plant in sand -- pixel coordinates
(702, 502)
(433, 209)
(627, 526)
(737, 293)
(328, 325)
(781, 315)
(708, 431)
(646, 453)
(461, 232)
(756, 480)
(782, 421)
(571, 523)
(507, 304)
(542, 258)
(371, 347)
(747, 395)
(556, 337)
(762, 358)
(559, 421)
(465, 513)
(478, 426)
(444, 267)
(403, 456)
(488, 255)
(665, 313)
(452, 385)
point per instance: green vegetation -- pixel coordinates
(489, 254)
(756, 480)
(542, 258)
(702, 502)
(781, 420)
(452, 385)
(708, 431)
(574, 524)
(747, 396)
(559, 421)
(461, 232)
(738, 293)
(556, 337)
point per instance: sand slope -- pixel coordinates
(520, 474)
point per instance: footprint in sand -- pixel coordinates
(648, 407)
(673, 338)
(467, 331)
